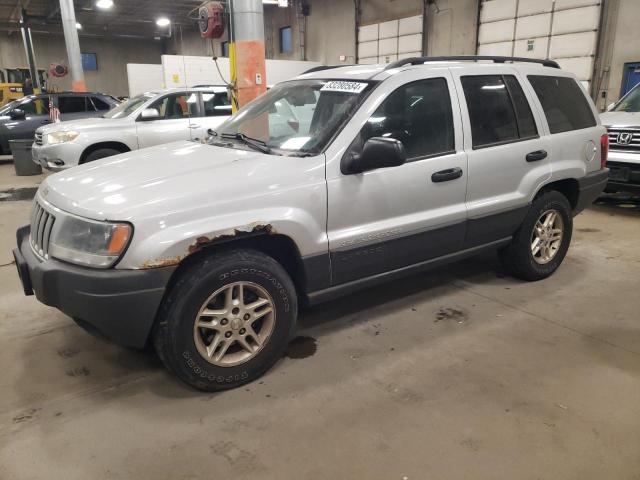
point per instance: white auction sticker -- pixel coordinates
(343, 86)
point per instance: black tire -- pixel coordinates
(173, 335)
(101, 153)
(517, 257)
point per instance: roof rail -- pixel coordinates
(323, 67)
(494, 59)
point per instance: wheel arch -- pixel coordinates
(569, 187)
(120, 146)
(280, 247)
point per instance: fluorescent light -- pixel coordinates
(104, 4)
(163, 22)
(78, 26)
(280, 3)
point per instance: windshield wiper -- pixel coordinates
(252, 142)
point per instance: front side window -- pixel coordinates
(177, 106)
(216, 104)
(419, 115)
(127, 108)
(498, 110)
(563, 102)
(299, 117)
(33, 106)
(630, 102)
(75, 104)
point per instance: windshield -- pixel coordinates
(127, 108)
(629, 103)
(299, 117)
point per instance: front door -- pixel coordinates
(176, 110)
(36, 111)
(385, 219)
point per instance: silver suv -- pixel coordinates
(623, 123)
(334, 181)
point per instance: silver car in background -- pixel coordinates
(146, 120)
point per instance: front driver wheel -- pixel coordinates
(226, 320)
(541, 243)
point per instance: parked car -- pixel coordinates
(20, 118)
(149, 119)
(623, 124)
(207, 249)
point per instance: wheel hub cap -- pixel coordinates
(234, 324)
(547, 235)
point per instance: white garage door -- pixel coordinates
(390, 41)
(563, 30)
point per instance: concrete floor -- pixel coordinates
(461, 373)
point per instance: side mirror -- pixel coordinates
(150, 114)
(17, 114)
(610, 107)
(378, 152)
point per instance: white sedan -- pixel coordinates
(149, 119)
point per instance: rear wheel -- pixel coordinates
(101, 153)
(226, 320)
(542, 241)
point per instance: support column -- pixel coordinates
(68, 15)
(28, 48)
(247, 50)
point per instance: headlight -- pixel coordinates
(87, 242)
(61, 137)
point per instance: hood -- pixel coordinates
(620, 119)
(84, 124)
(171, 178)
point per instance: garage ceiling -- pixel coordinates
(127, 18)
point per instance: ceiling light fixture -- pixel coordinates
(104, 4)
(78, 26)
(163, 22)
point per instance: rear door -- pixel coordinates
(508, 151)
(176, 111)
(73, 107)
(389, 218)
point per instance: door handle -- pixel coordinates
(446, 175)
(537, 155)
(194, 126)
(45, 121)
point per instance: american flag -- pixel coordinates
(54, 113)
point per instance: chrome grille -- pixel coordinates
(38, 138)
(41, 226)
(624, 139)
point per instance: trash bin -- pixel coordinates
(22, 161)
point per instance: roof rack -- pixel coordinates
(494, 59)
(319, 68)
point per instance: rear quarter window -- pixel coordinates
(563, 102)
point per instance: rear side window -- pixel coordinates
(100, 104)
(419, 115)
(216, 104)
(563, 102)
(498, 110)
(72, 104)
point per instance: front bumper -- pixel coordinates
(624, 175)
(119, 304)
(57, 157)
(589, 188)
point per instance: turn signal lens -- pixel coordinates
(119, 238)
(604, 150)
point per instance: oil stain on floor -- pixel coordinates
(301, 347)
